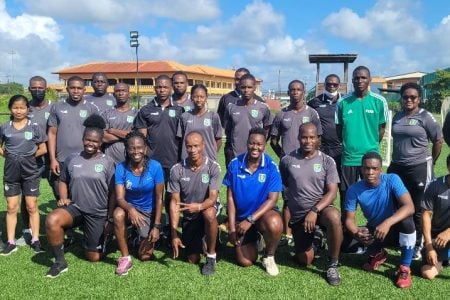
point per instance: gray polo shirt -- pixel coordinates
(437, 200)
(122, 121)
(22, 142)
(187, 104)
(240, 118)
(194, 186)
(90, 182)
(207, 124)
(306, 181)
(411, 135)
(287, 124)
(39, 116)
(103, 103)
(68, 119)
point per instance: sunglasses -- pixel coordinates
(332, 84)
(406, 97)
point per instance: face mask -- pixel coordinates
(38, 95)
(331, 95)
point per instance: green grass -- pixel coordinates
(22, 273)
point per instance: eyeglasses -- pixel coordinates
(332, 84)
(406, 97)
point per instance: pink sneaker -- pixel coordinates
(124, 266)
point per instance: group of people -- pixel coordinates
(112, 167)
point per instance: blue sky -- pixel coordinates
(390, 37)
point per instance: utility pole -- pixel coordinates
(12, 52)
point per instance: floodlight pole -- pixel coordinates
(134, 43)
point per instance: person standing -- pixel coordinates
(412, 129)
(180, 95)
(100, 97)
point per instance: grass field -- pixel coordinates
(22, 274)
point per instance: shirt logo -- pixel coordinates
(63, 111)
(236, 113)
(128, 185)
(207, 122)
(370, 111)
(322, 105)
(78, 166)
(296, 166)
(241, 176)
(111, 118)
(28, 135)
(109, 102)
(287, 119)
(98, 168)
(305, 119)
(130, 119)
(350, 111)
(262, 178)
(443, 197)
(83, 113)
(154, 113)
(171, 113)
(254, 113)
(413, 122)
(46, 115)
(205, 178)
(190, 121)
(317, 168)
(185, 179)
(187, 108)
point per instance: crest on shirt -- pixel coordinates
(262, 177)
(413, 122)
(46, 115)
(207, 122)
(187, 108)
(171, 113)
(205, 178)
(83, 113)
(254, 113)
(317, 168)
(130, 119)
(305, 119)
(128, 185)
(109, 102)
(28, 135)
(98, 168)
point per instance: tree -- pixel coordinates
(437, 90)
(11, 88)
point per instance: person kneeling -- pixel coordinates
(253, 182)
(194, 185)
(436, 225)
(139, 189)
(388, 208)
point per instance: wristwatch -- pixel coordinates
(314, 209)
(111, 220)
(250, 219)
(157, 226)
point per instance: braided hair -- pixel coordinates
(131, 135)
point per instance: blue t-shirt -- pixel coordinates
(251, 190)
(377, 203)
(139, 189)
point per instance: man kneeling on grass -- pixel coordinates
(436, 225)
(194, 185)
(253, 183)
(388, 208)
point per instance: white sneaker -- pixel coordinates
(417, 253)
(270, 265)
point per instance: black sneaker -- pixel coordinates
(56, 269)
(10, 248)
(36, 246)
(69, 241)
(333, 277)
(209, 268)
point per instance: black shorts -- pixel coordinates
(91, 225)
(350, 175)
(193, 231)
(303, 241)
(20, 176)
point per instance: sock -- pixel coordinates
(13, 242)
(333, 261)
(27, 230)
(213, 256)
(34, 240)
(128, 257)
(58, 252)
(407, 242)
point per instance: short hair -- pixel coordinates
(247, 76)
(331, 76)
(96, 74)
(38, 78)
(300, 129)
(163, 77)
(372, 155)
(122, 83)
(242, 70)
(257, 130)
(361, 68)
(192, 133)
(296, 81)
(75, 78)
(94, 123)
(199, 86)
(411, 85)
(179, 73)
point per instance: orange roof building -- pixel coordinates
(218, 81)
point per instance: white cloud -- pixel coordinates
(282, 50)
(114, 13)
(348, 25)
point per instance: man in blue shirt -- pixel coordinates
(388, 208)
(253, 183)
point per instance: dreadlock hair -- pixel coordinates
(94, 123)
(135, 134)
